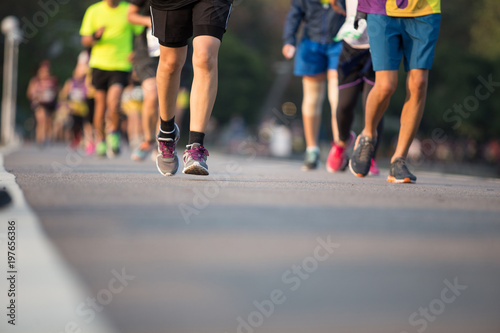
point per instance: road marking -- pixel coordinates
(48, 290)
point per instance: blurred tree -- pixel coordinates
(485, 29)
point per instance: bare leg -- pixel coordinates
(314, 95)
(149, 108)
(413, 109)
(113, 103)
(99, 113)
(205, 82)
(49, 135)
(41, 125)
(333, 98)
(378, 100)
(168, 78)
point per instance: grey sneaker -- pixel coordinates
(311, 160)
(399, 173)
(167, 161)
(361, 158)
(195, 160)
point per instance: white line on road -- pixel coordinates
(47, 291)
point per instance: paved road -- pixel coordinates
(260, 246)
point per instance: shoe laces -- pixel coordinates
(198, 153)
(167, 148)
(402, 164)
(366, 148)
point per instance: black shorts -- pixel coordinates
(173, 28)
(102, 80)
(355, 67)
(50, 107)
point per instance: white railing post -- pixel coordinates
(13, 36)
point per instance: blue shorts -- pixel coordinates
(391, 38)
(314, 58)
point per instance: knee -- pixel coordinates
(386, 89)
(204, 59)
(169, 65)
(417, 85)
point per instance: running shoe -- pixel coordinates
(311, 159)
(195, 160)
(374, 171)
(362, 156)
(75, 143)
(113, 144)
(141, 152)
(399, 173)
(100, 149)
(337, 158)
(167, 160)
(89, 148)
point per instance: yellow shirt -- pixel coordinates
(400, 8)
(111, 52)
(412, 8)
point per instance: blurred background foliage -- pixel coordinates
(468, 48)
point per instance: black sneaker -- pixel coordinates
(362, 156)
(399, 173)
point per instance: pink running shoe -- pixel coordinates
(89, 148)
(374, 171)
(337, 158)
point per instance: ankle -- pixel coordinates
(371, 135)
(196, 137)
(396, 157)
(341, 144)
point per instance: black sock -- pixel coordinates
(167, 128)
(196, 137)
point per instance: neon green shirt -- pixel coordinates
(111, 52)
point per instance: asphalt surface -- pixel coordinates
(260, 246)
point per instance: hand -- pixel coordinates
(98, 34)
(288, 51)
(359, 16)
(131, 57)
(337, 7)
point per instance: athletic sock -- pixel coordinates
(196, 137)
(312, 149)
(167, 128)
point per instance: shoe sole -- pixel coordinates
(136, 157)
(393, 180)
(360, 175)
(112, 154)
(342, 167)
(168, 174)
(195, 169)
(304, 168)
